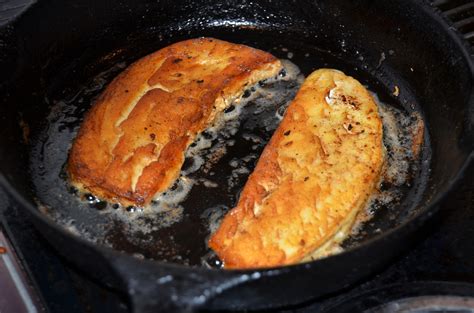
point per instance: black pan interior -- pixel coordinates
(65, 63)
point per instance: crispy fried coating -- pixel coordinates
(131, 143)
(314, 175)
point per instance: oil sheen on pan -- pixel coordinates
(216, 166)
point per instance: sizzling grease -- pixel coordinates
(216, 168)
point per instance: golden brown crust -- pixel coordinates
(417, 134)
(131, 144)
(313, 176)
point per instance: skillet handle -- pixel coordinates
(156, 287)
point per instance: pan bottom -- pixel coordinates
(179, 235)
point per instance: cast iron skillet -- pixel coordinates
(57, 45)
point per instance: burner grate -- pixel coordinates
(461, 13)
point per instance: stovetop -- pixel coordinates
(441, 264)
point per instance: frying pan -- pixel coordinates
(56, 46)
